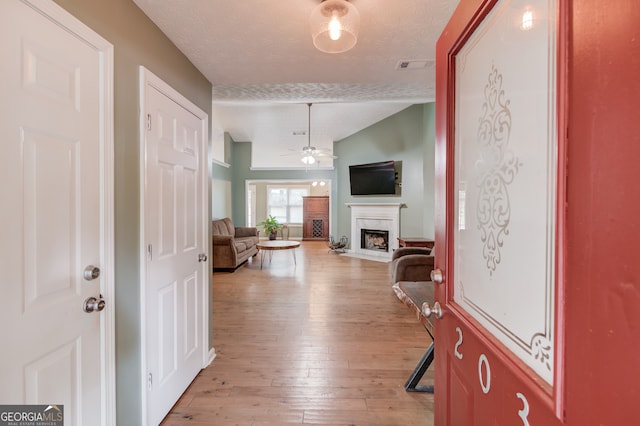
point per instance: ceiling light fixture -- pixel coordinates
(334, 26)
(307, 151)
(310, 153)
(308, 159)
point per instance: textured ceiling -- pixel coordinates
(258, 55)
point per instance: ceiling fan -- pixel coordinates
(310, 154)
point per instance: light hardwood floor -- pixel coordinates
(321, 342)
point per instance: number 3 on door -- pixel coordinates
(525, 409)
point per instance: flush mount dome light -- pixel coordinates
(334, 26)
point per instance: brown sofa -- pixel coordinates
(411, 264)
(232, 245)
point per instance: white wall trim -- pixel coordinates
(212, 356)
(302, 167)
(220, 163)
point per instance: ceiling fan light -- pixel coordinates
(308, 159)
(334, 26)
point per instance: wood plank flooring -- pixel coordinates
(323, 342)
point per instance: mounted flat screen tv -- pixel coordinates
(373, 178)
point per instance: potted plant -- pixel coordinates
(271, 226)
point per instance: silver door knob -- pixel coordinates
(427, 311)
(91, 272)
(93, 305)
(436, 276)
(202, 257)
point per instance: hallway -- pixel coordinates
(323, 342)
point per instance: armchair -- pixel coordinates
(411, 264)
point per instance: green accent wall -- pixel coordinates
(406, 137)
(428, 169)
(137, 41)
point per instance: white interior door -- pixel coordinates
(176, 247)
(55, 157)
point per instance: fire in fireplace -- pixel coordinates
(373, 239)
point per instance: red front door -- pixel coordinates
(521, 158)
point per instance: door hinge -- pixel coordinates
(150, 252)
(148, 121)
(149, 381)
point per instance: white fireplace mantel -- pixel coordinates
(395, 206)
(382, 216)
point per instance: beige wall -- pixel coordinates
(137, 41)
(406, 137)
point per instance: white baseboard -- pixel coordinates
(212, 356)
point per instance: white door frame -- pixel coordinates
(70, 23)
(148, 78)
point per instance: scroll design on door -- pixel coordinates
(496, 169)
(541, 349)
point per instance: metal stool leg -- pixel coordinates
(421, 368)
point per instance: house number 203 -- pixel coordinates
(484, 373)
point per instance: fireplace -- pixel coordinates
(382, 221)
(374, 239)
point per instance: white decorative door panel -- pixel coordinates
(55, 142)
(174, 213)
(505, 180)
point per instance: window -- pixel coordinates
(285, 202)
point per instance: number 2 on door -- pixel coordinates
(458, 343)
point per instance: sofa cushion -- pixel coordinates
(223, 227)
(248, 241)
(240, 246)
(245, 231)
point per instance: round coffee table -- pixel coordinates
(271, 245)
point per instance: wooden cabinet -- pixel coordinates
(315, 218)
